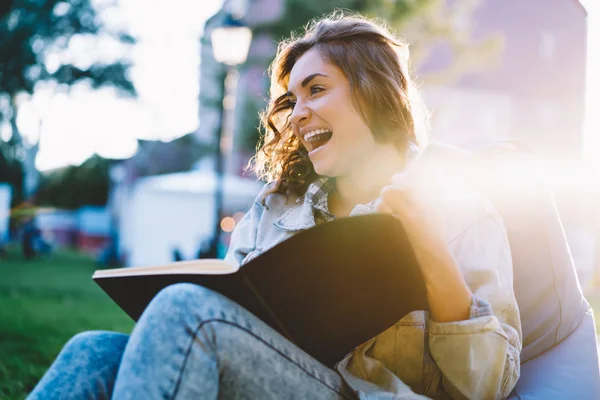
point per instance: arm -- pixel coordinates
(243, 238)
(480, 356)
(474, 331)
(448, 294)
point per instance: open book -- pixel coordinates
(327, 289)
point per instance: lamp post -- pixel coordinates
(230, 44)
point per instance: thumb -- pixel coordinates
(382, 207)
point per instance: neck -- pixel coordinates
(364, 183)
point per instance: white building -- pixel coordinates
(176, 211)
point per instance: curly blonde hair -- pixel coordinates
(376, 64)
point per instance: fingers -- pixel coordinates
(394, 201)
(382, 207)
(401, 180)
(392, 195)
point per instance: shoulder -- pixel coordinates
(463, 209)
(271, 201)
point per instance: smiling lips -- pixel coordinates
(317, 138)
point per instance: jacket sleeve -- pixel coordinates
(480, 357)
(243, 238)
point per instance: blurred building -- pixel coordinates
(536, 93)
(172, 213)
(159, 201)
(176, 155)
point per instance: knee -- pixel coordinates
(181, 293)
(183, 298)
(94, 339)
(96, 344)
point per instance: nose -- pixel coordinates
(300, 115)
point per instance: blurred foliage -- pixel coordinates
(76, 186)
(89, 183)
(435, 26)
(427, 25)
(32, 32)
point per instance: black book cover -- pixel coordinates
(327, 289)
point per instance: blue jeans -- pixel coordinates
(190, 343)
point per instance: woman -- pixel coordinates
(341, 124)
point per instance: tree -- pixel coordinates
(34, 31)
(429, 25)
(75, 186)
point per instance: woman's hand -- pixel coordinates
(420, 218)
(447, 292)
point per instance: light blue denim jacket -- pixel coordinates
(472, 359)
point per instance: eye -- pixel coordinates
(316, 89)
(291, 103)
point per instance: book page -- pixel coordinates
(201, 267)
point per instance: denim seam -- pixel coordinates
(560, 305)
(195, 335)
(472, 224)
(501, 334)
(257, 223)
(506, 373)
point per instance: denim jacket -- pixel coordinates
(473, 359)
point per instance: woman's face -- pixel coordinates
(324, 117)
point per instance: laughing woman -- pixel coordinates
(341, 125)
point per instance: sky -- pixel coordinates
(74, 126)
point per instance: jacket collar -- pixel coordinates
(302, 214)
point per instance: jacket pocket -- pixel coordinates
(432, 376)
(409, 350)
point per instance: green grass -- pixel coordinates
(45, 302)
(42, 304)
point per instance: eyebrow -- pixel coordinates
(307, 80)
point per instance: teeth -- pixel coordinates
(310, 135)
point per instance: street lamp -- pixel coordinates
(230, 44)
(231, 41)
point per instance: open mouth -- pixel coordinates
(317, 139)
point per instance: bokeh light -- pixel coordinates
(227, 224)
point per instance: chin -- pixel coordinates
(325, 170)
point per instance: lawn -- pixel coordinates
(45, 302)
(42, 304)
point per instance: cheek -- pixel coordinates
(295, 130)
(352, 116)
(339, 111)
(357, 130)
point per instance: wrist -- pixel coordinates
(448, 294)
(451, 306)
